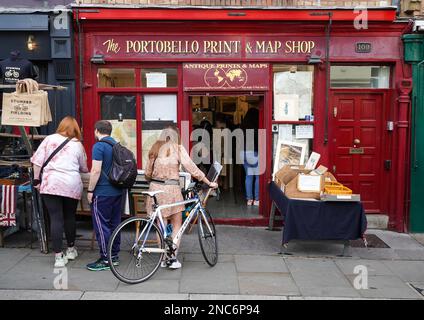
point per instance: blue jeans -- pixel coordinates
(252, 180)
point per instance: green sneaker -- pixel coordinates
(99, 265)
(115, 261)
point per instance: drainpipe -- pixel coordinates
(327, 68)
(81, 72)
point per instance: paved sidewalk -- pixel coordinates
(250, 267)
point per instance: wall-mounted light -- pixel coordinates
(98, 59)
(314, 59)
(31, 44)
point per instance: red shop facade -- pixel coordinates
(146, 68)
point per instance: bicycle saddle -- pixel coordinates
(152, 193)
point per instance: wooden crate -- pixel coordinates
(139, 203)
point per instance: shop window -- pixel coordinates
(120, 110)
(159, 111)
(360, 77)
(116, 78)
(293, 92)
(293, 126)
(159, 78)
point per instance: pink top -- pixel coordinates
(61, 176)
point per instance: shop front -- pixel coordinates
(42, 39)
(414, 54)
(205, 69)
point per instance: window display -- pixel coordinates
(293, 91)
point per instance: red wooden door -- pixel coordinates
(356, 144)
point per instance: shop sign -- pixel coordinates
(226, 76)
(213, 46)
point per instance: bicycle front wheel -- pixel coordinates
(207, 237)
(141, 248)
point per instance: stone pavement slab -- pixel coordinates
(200, 278)
(419, 237)
(85, 280)
(198, 257)
(258, 263)
(10, 257)
(94, 295)
(408, 271)
(40, 295)
(389, 287)
(314, 248)
(152, 286)
(30, 273)
(374, 267)
(319, 277)
(397, 240)
(373, 253)
(410, 254)
(267, 283)
(234, 297)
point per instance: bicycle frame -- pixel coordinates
(158, 215)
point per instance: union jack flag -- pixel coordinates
(9, 195)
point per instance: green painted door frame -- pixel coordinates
(414, 54)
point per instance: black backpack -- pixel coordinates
(123, 171)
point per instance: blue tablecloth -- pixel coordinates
(319, 220)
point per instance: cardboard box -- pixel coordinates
(292, 191)
(287, 174)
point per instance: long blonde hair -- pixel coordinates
(170, 135)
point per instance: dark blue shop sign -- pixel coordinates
(24, 22)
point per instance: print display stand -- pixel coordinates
(37, 205)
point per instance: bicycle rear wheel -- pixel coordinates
(141, 250)
(207, 237)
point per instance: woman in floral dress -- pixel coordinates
(163, 167)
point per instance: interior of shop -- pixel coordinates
(220, 112)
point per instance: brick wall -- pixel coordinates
(294, 3)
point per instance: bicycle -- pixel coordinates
(146, 242)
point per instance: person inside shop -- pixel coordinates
(162, 169)
(13, 69)
(250, 125)
(58, 162)
(105, 199)
(16, 68)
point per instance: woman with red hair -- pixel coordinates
(59, 181)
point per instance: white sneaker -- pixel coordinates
(60, 261)
(175, 264)
(256, 203)
(71, 253)
(163, 264)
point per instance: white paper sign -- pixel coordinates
(304, 132)
(160, 107)
(285, 132)
(307, 183)
(156, 80)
